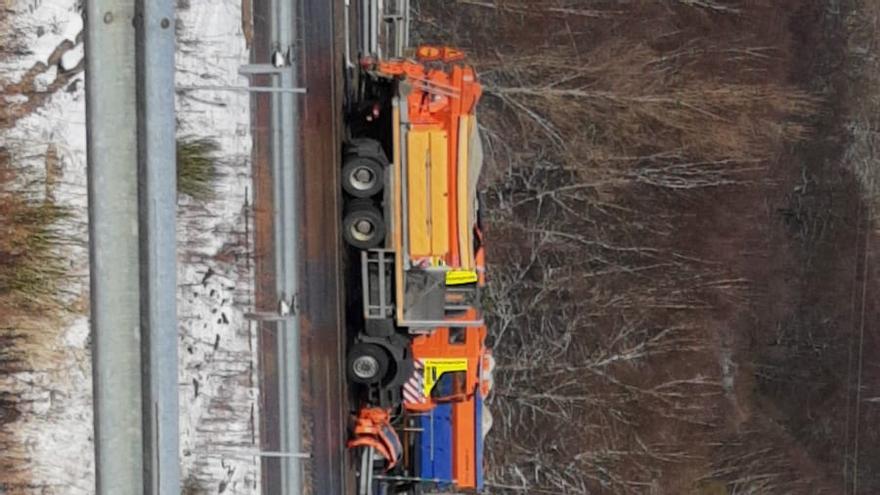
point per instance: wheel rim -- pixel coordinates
(362, 229)
(365, 367)
(362, 178)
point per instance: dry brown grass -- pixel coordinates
(32, 271)
(607, 129)
(631, 114)
(34, 268)
(31, 268)
(634, 99)
(196, 167)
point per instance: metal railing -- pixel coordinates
(384, 28)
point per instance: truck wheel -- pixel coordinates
(363, 226)
(362, 176)
(367, 364)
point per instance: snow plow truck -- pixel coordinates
(419, 360)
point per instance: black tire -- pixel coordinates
(362, 176)
(367, 364)
(363, 226)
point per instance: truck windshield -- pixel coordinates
(451, 387)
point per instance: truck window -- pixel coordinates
(451, 387)
(457, 335)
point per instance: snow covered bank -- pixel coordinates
(219, 389)
(42, 131)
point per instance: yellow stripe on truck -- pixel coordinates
(461, 277)
(417, 193)
(428, 192)
(439, 193)
(435, 368)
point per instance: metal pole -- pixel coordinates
(254, 453)
(158, 256)
(275, 155)
(363, 28)
(346, 26)
(406, 24)
(375, 48)
(113, 246)
(285, 108)
(244, 89)
(132, 200)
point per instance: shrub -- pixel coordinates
(196, 167)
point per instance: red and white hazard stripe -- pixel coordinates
(413, 388)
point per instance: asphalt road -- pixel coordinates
(323, 325)
(324, 393)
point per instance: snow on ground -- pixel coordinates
(44, 25)
(56, 426)
(218, 356)
(219, 391)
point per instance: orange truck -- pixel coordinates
(419, 359)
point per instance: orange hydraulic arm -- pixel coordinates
(373, 429)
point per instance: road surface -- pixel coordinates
(324, 393)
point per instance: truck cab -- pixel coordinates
(436, 439)
(445, 404)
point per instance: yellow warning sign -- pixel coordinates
(461, 277)
(435, 368)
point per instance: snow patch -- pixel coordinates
(43, 80)
(77, 334)
(43, 25)
(15, 99)
(72, 58)
(215, 279)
